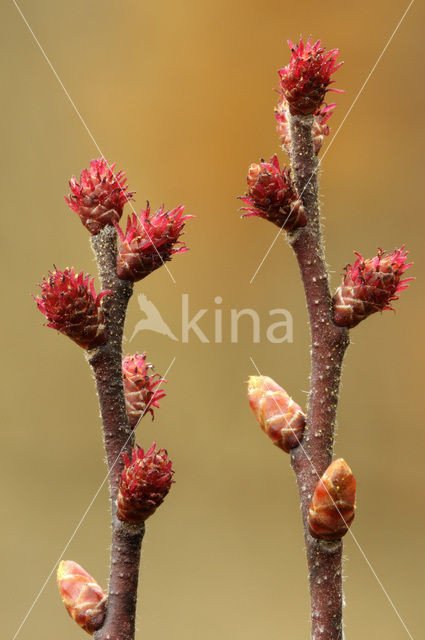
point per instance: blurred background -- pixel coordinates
(180, 95)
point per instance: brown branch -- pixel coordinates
(329, 343)
(106, 362)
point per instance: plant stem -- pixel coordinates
(106, 362)
(329, 343)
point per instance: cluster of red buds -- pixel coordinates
(306, 79)
(72, 307)
(83, 598)
(145, 481)
(100, 196)
(68, 300)
(370, 286)
(304, 82)
(273, 196)
(140, 387)
(150, 240)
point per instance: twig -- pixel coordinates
(329, 343)
(106, 362)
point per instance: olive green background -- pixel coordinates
(180, 94)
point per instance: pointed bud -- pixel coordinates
(145, 482)
(141, 395)
(333, 503)
(72, 307)
(306, 79)
(273, 196)
(369, 286)
(83, 598)
(149, 241)
(320, 128)
(100, 196)
(278, 415)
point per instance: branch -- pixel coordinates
(106, 362)
(329, 342)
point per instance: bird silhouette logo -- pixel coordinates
(153, 320)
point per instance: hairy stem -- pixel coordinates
(329, 343)
(106, 363)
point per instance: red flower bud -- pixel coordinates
(369, 286)
(320, 128)
(278, 415)
(273, 196)
(141, 395)
(333, 503)
(83, 598)
(100, 196)
(149, 241)
(145, 482)
(305, 80)
(72, 307)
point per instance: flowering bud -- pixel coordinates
(100, 196)
(83, 598)
(141, 395)
(320, 128)
(278, 415)
(273, 196)
(333, 503)
(72, 307)
(305, 80)
(149, 241)
(145, 482)
(369, 286)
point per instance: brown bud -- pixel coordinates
(333, 503)
(83, 598)
(278, 415)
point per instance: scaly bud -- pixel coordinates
(278, 415)
(141, 395)
(320, 127)
(145, 482)
(333, 503)
(100, 196)
(305, 80)
(72, 307)
(149, 241)
(369, 286)
(83, 598)
(273, 196)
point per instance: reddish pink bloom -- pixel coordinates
(149, 241)
(72, 307)
(369, 286)
(306, 79)
(272, 196)
(141, 394)
(320, 128)
(333, 504)
(100, 195)
(145, 481)
(82, 596)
